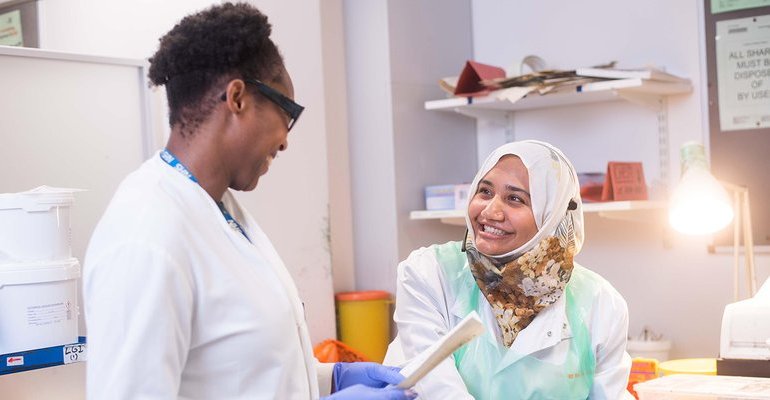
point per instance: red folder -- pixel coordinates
(469, 83)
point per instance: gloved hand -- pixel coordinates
(365, 373)
(361, 392)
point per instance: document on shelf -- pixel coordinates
(648, 86)
(448, 84)
(612, 73)
(513, 94)
(610, 84)
(469, 328)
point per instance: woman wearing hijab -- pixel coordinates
(555, 330)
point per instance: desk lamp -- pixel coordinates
(700, 205)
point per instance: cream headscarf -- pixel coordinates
(521, 283)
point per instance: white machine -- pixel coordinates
(746, 328)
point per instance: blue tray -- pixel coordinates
(41, 358)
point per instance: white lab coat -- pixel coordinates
(178, 305)
(426, 310)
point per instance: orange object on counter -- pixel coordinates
(642, 369)
(331, 350)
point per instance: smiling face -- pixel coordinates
(501, 208)
(264, 133)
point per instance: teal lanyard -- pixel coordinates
(171, 160)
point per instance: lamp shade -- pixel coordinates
(699, 204)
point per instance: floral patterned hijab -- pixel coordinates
(521, 283)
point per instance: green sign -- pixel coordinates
(10, 28)
(720, 6)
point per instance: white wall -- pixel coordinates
(429, 40)
(367, 50)
(679, 290)
(110, 27)
(338, 145)
(291, 202)
(395, 51)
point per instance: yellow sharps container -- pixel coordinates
(363, 322)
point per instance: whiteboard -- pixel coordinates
(73, 121)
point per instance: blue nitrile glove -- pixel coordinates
(365, 373)
(361, 392)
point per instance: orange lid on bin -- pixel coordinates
(363, 295)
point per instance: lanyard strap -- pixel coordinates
(231, 221)
(171, 160)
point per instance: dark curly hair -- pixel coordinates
(205, 50)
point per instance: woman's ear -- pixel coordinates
(235, 95)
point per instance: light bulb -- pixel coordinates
(699, 204)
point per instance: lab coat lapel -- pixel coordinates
(260, 246)
(463, 303)
(257, 248)
(469, 298)
(547, 329)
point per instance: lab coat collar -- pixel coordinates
(535, 336)
(261, 246)
(547, 329)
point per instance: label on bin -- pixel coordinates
(48, 314)
(14, 361)
(74, 353)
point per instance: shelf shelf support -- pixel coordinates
(664, 156)
(492, 132)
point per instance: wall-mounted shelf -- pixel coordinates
(646, 92)
(635, 90)
(449, 217)
(42, 358)
(624, 210)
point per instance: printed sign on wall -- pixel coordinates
(720, 6)
(743, 72)
(10, 28)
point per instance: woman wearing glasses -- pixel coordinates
(185, 295)
(555, 330)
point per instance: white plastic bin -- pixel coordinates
(38, 305)
(657, 349)
(35, 225)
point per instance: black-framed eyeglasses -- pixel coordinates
(289, 106)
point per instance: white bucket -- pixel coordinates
(657, 349)
(38, 305)
(35, 225)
